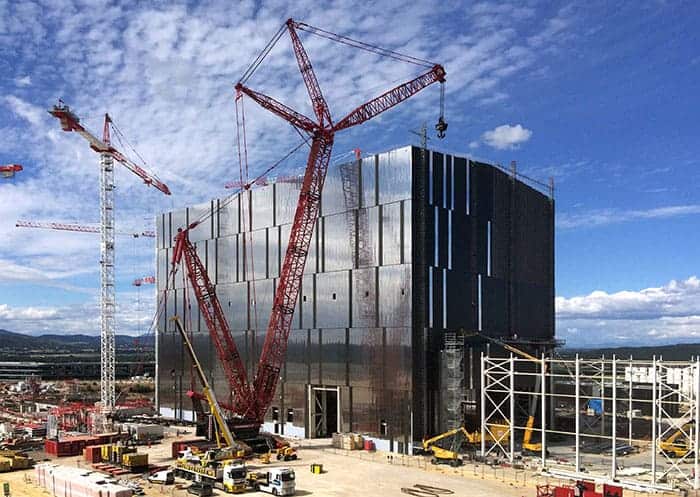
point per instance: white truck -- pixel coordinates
(275, 481)
(235, 477)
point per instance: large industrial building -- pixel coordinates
(412, 247)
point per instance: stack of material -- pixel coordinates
(142, 431)
(348, 441)
(62, 481)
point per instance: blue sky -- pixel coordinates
(602, 97)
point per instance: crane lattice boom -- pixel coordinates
(77, 227)
(213, 314)
(71, 122)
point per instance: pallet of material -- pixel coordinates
(348, 441)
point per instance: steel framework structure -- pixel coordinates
(600, 416)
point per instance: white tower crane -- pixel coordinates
(71, 122)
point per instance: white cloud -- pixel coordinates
(604, 217)
(473, 145)
(667, 313)
(23, 81)
(25, 110)
(134, 314)
(506, 136)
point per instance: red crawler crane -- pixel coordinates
(252, 401)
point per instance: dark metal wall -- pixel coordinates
(483, 260)
(401, 252)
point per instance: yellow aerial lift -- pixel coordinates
(445, 447)
(678, 444)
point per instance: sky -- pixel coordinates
(601, 97)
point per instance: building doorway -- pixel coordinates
(324, 411)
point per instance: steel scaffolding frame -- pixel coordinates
(590, 399)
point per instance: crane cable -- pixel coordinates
(126, 144)
(249, 257)
(345, 40)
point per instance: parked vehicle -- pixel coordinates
(275, 481)
(165, 477)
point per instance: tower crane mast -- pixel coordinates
(108, 154)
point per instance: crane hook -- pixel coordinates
(441, 125)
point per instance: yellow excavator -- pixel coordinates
(529, 448)
(678, 444)
(446, 447)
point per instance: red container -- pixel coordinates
(369, 445)
(93, 453)
(70, 446)
(563, 492)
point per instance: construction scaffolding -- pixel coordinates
(454, 376)
(632, 422)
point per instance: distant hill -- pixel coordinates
(12, 340)
(676, 352)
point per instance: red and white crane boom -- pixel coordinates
(82, 228)
(71, 122)
(9, 170)
(149, 280)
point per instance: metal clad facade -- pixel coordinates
(404, 246)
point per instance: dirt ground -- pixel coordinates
(346, 474)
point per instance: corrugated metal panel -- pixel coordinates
(391, 233)
(334, 199)
(263, 208)
(338, 247)
(229, 216)
(333, 357)
(395, 295)
(286, 198)
(227, 259)
(369, 181)
(394, 175)
(333, 299)
(203, 230)
(369, 239)
(308, 301)
(364, 301)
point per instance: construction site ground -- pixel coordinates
(346, 473)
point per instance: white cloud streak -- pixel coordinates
(660, 314)
(604, 217)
